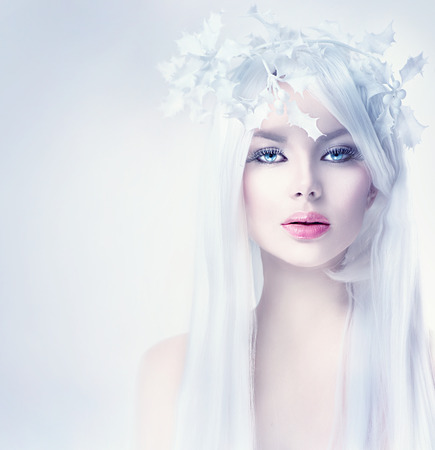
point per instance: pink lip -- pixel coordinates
(306, 225)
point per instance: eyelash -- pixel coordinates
(349, 153)
(267, 151)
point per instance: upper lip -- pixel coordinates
(306, 217)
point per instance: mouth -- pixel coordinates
(303, 225)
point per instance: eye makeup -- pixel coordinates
(342, 153)
(336, 154)
(267, 155)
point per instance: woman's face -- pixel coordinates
(305, 200)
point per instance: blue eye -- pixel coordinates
(341, 154)
(268, 155)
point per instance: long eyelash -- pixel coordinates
(265, 151)
(356, 154)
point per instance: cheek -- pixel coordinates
(262, 192)
(351, 192)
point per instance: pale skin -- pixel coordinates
(301, 321)
(302, 313)
(158, 384)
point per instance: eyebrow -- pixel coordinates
(333, 134)
(270, 135)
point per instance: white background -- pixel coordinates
(97, 198)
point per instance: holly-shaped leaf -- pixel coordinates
(412, 67)
(299, 119)
(383, 124)
(409, 128)
(378, 43)
(168, 69)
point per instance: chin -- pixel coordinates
(305, 259)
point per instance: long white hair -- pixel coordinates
(388, 387)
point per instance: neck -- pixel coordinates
(301, 322)
(296, 300)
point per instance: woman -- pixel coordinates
(304, 208)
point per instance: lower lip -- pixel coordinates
(306, 231)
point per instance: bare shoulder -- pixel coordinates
(158, 385)
(167, 354)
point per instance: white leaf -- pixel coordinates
(299, 119)
(300, 84)
(211, 31)
(408, 127)
(381, 71)
(255, 41)
(412, 67)
(253, 120)
(186, 76)
(383, 124)
(331, 30)
(268, 20)
(378, 43)
(229, 50)
(236, 110)
(224, 89)
(167, 69)
(284, 65)
(214, 23)
(189, 43)
(374, 89)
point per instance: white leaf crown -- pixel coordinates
(208, 66)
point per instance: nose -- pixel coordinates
(306, 183)
(311, 195)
